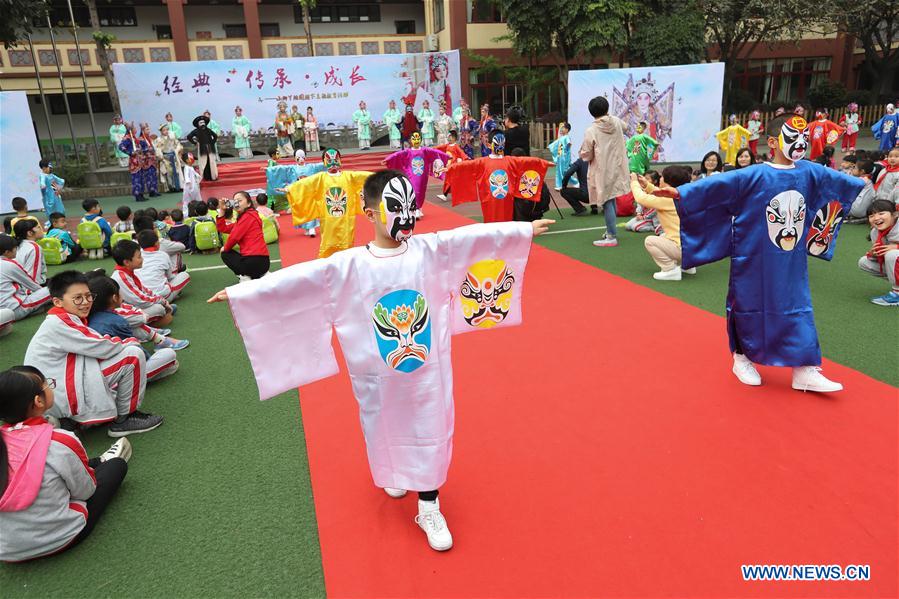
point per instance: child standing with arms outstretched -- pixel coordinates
(394, 318)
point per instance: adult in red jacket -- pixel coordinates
(251, 261)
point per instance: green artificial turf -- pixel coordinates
(217, 501)
(852, 330)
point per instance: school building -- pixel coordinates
(186, 30)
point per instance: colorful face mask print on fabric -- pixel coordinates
(331, 160)
(486, 293)
(335, 201)
(498, 145)
(792, 139)
(402, 325)
(437, 167)
(785, 216)
(418, 166)
(823, 228)
(397, 207)
(415, 139)
(529, 184)
(499, 184)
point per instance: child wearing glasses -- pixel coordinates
(51, 495)
(102, 378)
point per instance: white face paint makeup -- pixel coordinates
(397, 207)
(793, 139)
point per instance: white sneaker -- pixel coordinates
(310, 232)
(418, 214)
(746, 372)
(689, 271)
(395, 493)
(119, 449)
(430, 520)
(668, 275)
(809, 378)
(441, 197)
(606, 242)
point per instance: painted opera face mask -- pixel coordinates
(331, 160)
(397, 207)
(415, 140)
(498, 146)
(793, 140)
(785, 217)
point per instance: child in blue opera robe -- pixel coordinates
(768, 218)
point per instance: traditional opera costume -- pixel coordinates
(283, 127)
(117, 133)
(362, 118)
(393, 118)
(640, 149)
(334, 197)
(852, 122)
(168, 155)
(279, 177)
(310, 127)
(486, 126)
(731, 139)
(418, 164)
(240, 129)
(426, 117)
(754, 126)
(886, 130)
(136, 146)
(822, 132)
(205, 140)
(443, 125)
(495, 179)
(767, 218)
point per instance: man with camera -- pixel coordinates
(251, 261)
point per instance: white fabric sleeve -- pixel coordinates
(286, 320)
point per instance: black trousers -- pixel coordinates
(110, 475)
(74, 254)
(575, 197)
(249, 266)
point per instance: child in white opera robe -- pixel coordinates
(395, 304)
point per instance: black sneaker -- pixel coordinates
(136, 422)
(594, 210)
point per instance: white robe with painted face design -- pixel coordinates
(395, 312)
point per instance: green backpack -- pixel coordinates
(206, 236)
(52, 248)
(90, 236)
(269, 230)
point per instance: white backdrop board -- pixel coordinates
(681, 104)
(19, 153)
(332, 85)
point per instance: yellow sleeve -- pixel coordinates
(355, 181)
(304, 197)
(645, 199)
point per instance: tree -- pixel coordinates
(737, 27)
(668, 32)
(567, 30)
(17, 18)
(306, 5)
(875, 24)
(103, 41)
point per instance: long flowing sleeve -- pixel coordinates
(431, 155)
(304, 196)
(486, 268)
(462, 178)
(706, 209)
(830, 206)
(398, 161)
(295, 348)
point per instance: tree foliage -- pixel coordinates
(875, 24)
(16, 18)
(668, 32)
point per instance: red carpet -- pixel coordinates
(249, 174)
(593, 460)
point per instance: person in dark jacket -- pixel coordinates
(577, 196)
(205, 139)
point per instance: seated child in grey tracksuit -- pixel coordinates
(51, 495)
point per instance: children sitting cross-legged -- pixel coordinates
(128, 259)
(179, 232)
(51, 495)
(156, 272)
(172, 249)
(882, 260)
(59, 228)
(29, 253)
(135, 318)
(19, 292)
(93, 212)
(20, 205)
(665, 249)
(102, 378)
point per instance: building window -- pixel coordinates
(501, 92)
(100, 102)
(110, 16)
(439, 23)
(484, 11)
(340, 11)
(270, 29)
(163, 32)
(775, 80)
(239, 30)
(405, 27)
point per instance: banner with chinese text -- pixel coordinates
(681, 105)
(332, 85)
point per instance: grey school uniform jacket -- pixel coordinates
(59, 512)
(30, 256)
(19, 291)
(66, 349)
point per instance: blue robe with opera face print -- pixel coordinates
(767, 219)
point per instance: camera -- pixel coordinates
(231, 204)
